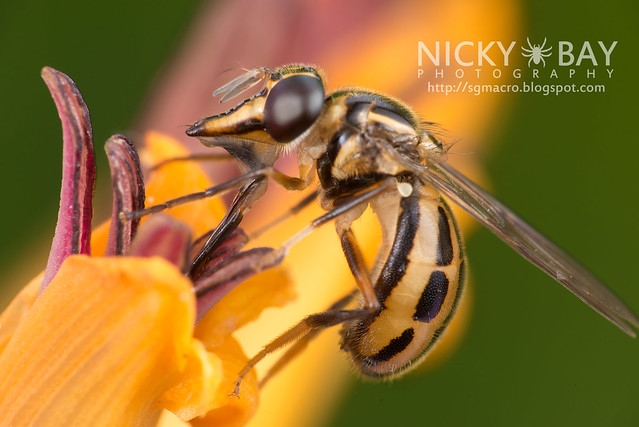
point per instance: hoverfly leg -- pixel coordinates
(299, 335)
(298, 346)
(216, 190)
(293, 210)
(288, 182)
(198, 157)
(242, 202)
(348, 204)
(307, 329)
(358, 268)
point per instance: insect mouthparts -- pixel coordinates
(196, 130)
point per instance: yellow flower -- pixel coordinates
(110, 340)
(100, 345)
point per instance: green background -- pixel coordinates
(533, 355)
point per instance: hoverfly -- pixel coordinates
(368, 149)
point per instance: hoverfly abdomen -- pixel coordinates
(418, 283)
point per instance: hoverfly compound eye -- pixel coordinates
(292, 106)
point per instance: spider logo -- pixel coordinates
(536, 53)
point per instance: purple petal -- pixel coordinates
(73, 230)
(230, 273)
(162, 236)
(128, 192)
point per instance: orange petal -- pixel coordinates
(232, 411)
(244, 304)
(196, 388)
(177, 179)
(100, 345)
(16, 312)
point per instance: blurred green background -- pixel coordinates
(533, 354)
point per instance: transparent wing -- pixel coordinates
(528, 242)
(241, 83)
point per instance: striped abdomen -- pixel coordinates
(418, 280)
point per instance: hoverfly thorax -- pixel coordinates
(368, 131)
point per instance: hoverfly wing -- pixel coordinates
(528, 242)
(241, 83)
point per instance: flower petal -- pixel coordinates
(118, 330)
(230, 410)
(244, 304)
(196, 388)
(73, 230)
(16, 312)
(177, 179)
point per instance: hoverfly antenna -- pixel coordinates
(449, 145)
(438, 135)
(241, 83)
(435, 129)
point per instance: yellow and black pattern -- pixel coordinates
(418, 286)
